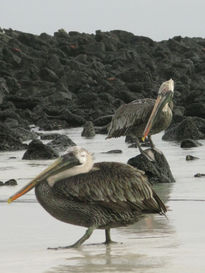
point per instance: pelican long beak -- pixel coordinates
(161, 101)
(62, 163)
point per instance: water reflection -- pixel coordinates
(110, 259)
(147, 247)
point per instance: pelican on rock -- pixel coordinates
(103, 195)
(144, 117)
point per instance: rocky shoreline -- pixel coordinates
(64, 80)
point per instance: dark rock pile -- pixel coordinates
(64, 80)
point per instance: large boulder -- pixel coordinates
(190, 127)
(61, 143)
(88, 130)
(158, 170)
(10, 182)
(189, 143)
(37, 151)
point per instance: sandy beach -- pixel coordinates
(154, 245)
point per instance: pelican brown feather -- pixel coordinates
(131, 118)
(110, 182)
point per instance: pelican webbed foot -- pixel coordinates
(110, 243)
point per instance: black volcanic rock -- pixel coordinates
(88, 76)
(191, 157)
(25, 134)
(61, 143)
(199, 175)
(48, 75)
(10, 182)
(178, 114)
(49, 136)
(102, 121)
(4, 90)
(113, 152)
(189, 143)
(9, 140)
(190, 127)
(38, 150)
(196, 109)
(56, 119)
(88, 130)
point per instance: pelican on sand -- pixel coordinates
(103, 195)
(144, 117)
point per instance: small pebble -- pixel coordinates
(113, 152)
(199, 174)
(191, 157)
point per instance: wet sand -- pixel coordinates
(153, 245)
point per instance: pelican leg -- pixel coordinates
(152, 145)
(77, 244)
(139, 146)
(108, 237)
(143, 152)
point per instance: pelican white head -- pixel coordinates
(165, 95)
(166, 87)
(85, 164)
(77, 160)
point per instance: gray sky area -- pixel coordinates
(157, 19)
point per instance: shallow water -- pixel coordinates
(153, 245)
